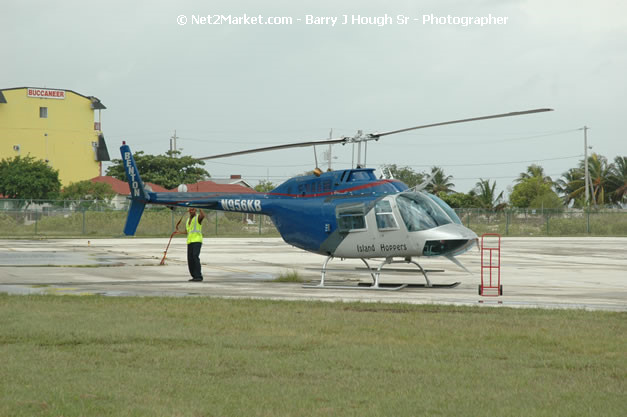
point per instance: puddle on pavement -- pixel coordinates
(51, 258)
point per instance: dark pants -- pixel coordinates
(193, 259)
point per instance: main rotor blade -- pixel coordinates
(274, 148)
(374, 136)
(516, 113)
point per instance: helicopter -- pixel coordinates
(346, 214)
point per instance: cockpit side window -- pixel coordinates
(385, 215)
(351, 217)
(419, 212)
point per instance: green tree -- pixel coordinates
(602, 177)
(28, 178)
(264, 186)
(167, 170)
(618, 181)
(440, 182)
(89, 193)
(600, 172)
(459, 200)
(486, 194)
(571, 187)
(407, 175)
(548, 200)
(532, 189)
(534, 171)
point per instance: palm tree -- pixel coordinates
(533, 171)
(570, 186)
(618, 180)
(600, 172)
(440, 182)
(485, 194)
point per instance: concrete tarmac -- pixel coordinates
(580, 272)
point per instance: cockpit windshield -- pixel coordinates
(419, 212)
(447, 209)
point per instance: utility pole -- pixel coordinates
(173, 141)
(585, 161)
(587, 181)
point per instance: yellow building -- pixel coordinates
(61, 127)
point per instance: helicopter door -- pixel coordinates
(385, 216)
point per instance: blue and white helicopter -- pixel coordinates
(346, 213)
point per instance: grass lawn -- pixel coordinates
(99, 356)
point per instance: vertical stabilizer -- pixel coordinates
(134, 215)
(139, 197)
(132, 174)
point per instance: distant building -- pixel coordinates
(122, 190)
(214, 187)
(60, 127)
(235, 179)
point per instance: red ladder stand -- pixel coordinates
(491, 262)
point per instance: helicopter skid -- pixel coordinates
(390, 285)
(375, 274)
(381, 287)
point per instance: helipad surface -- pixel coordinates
(587, 273)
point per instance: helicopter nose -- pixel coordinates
(450, 239)
(450, 231)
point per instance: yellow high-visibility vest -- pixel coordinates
(194, 230)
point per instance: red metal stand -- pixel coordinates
(491, 260)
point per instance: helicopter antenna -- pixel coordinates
(353, 156)
(330, 148)
(360, 137)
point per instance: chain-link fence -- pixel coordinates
(55, 221)
(546, 222)
(59, 219)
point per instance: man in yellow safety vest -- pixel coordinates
(194, 243)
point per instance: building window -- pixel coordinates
(43, 112)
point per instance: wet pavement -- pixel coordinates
(583, 273)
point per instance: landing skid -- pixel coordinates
(361, 286)
(375, 274)
(453, 285)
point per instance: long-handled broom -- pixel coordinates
(175, 232)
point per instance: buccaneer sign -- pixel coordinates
(45, 93)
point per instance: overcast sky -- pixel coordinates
(232, 87)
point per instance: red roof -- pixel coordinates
(212, 187)
(121, 187)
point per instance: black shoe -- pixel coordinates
(195, 280)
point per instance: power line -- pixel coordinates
(499, 177)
